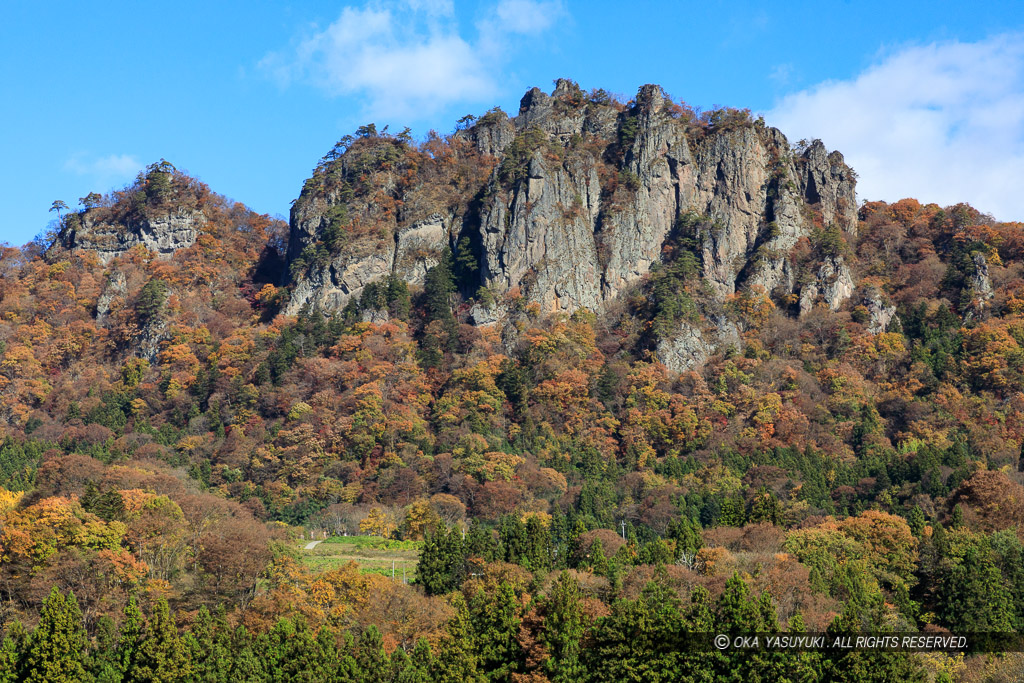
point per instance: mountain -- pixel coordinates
(571, 203)
(594, 362)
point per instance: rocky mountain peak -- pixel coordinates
(161, 211)
(164, 233)
(650, 98)
(576, 204)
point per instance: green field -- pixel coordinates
(374, 555)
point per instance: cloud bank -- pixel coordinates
(411, 58)
(943, 123)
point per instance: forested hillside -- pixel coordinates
(628, 371)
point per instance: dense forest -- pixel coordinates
(170, 424)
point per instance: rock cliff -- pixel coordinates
(164, 233)
(570, 204)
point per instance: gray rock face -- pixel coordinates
(149, 339)
(408, 254)
(163, 234)
(491, 134)
(731, 184)
(880, 313)
(828, 185)
(833, 285)
(116, 286)
(330, 288)
(419, 248)
(375, 316)
(691, 345)
(584, 194)
(684, 351)
(486, 315)
(980, 284)
(542, 240)
(660, 161)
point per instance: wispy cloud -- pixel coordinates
(111, 167)
(527, 17)
(782, 74)
(943, 123)
(410, 58)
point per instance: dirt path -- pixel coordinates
(312, 544)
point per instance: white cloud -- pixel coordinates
(410, 58)
(527, 17)
(110, 167)
(782, 74)
(943, 123)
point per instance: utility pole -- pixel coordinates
(623, 523)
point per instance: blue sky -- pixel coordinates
(925, 99)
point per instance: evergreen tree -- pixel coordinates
(641, 640)
(686, 533)
(956, 520)
(373, 663)
(414, 668)
(162, 656)
(456, 660)
(974, 596)
(9, 659)
(441, 567)
(737, 612)
(56, 648)
(562, 632)
(804, 665)
(495, 619)
(438, 286)
(399, 301)
(103, 665)
(916, 520)
(208, 644)
(765, 507)
(732, 513)
(441, 331)
(466, 264)
(130, 638)
(246, 665)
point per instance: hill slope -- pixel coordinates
(594, 316)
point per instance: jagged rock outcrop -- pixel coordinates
(419, 247)
(880, 313)
(662, 169)
(329, 288)
(685, 350)
(832, 286)
(828, 185)
(491, 133)
(980, 285)
(116, 286)
(579, 198)
(690, 346)
(164, 233)
(543, 240)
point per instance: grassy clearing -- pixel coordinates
(372, 554)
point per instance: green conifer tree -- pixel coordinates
(130, 637)
(373, 662)
(103, 664)
(57, 646)
(562, 632)
(8, 660)
(162, 656)
(456, 660)
(495, 618)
